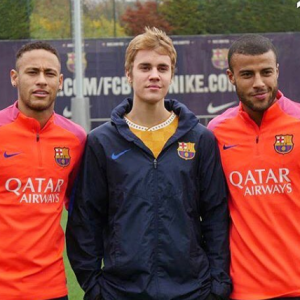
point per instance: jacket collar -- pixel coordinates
(187, 120)
(271, 114)
(30, 123)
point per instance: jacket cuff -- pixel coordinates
(222, 290)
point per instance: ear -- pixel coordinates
(61, 80)
(14, 77)
(230, 76)
(277, 70)
(129, 78)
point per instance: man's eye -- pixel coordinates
(145, 67)
(246, 75)
(268, 72)
(163, 69)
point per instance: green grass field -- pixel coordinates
(75, 292)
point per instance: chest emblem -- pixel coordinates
(186, 150)
(283, 143)
(62, 156)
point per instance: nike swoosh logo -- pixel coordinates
(6, 155)
(67, 113)
(228, 147)
(116, 156)
(214, 109)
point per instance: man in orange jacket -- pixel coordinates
(40, 155)
(259, 144)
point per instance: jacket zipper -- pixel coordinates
(155, 163)
(257, 144)
(39, 149)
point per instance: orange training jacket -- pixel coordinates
(262, 169)
(36, 171)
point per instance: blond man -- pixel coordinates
(151, 201)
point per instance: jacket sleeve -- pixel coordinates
(87, 219)
(215, 216)
(74, 173)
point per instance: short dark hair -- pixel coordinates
(251, 44)
(38, 45)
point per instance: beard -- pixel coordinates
(35, 104)
(258, 106)
(40, 107)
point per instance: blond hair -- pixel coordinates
(152, 39)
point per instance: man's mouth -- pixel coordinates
(40, 93)
(153, 87)
(260, 95)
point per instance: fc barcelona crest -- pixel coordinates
(219, 58)
(283, 143)
(62, 156)
(186, 150)
(71, 62)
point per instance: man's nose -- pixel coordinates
(258, 81)
(41, 78)
(154, 73)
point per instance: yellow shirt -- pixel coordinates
(155, 137)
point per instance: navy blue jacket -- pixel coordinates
(142, 228)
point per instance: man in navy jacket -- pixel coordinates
(150, 220)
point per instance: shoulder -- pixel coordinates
(70, 126)
(289, 107)
(204, 137)
(203, 131)
(103, 134)
(8, 114)
(105, 128)
(221, 119)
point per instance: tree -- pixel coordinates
(219, 17)
(147, 14)
(101, 19)
(231, 16)
(101, 27)
(49, 21)
(183, 15)
(14, 21)
(249, 16)
(267, 16)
